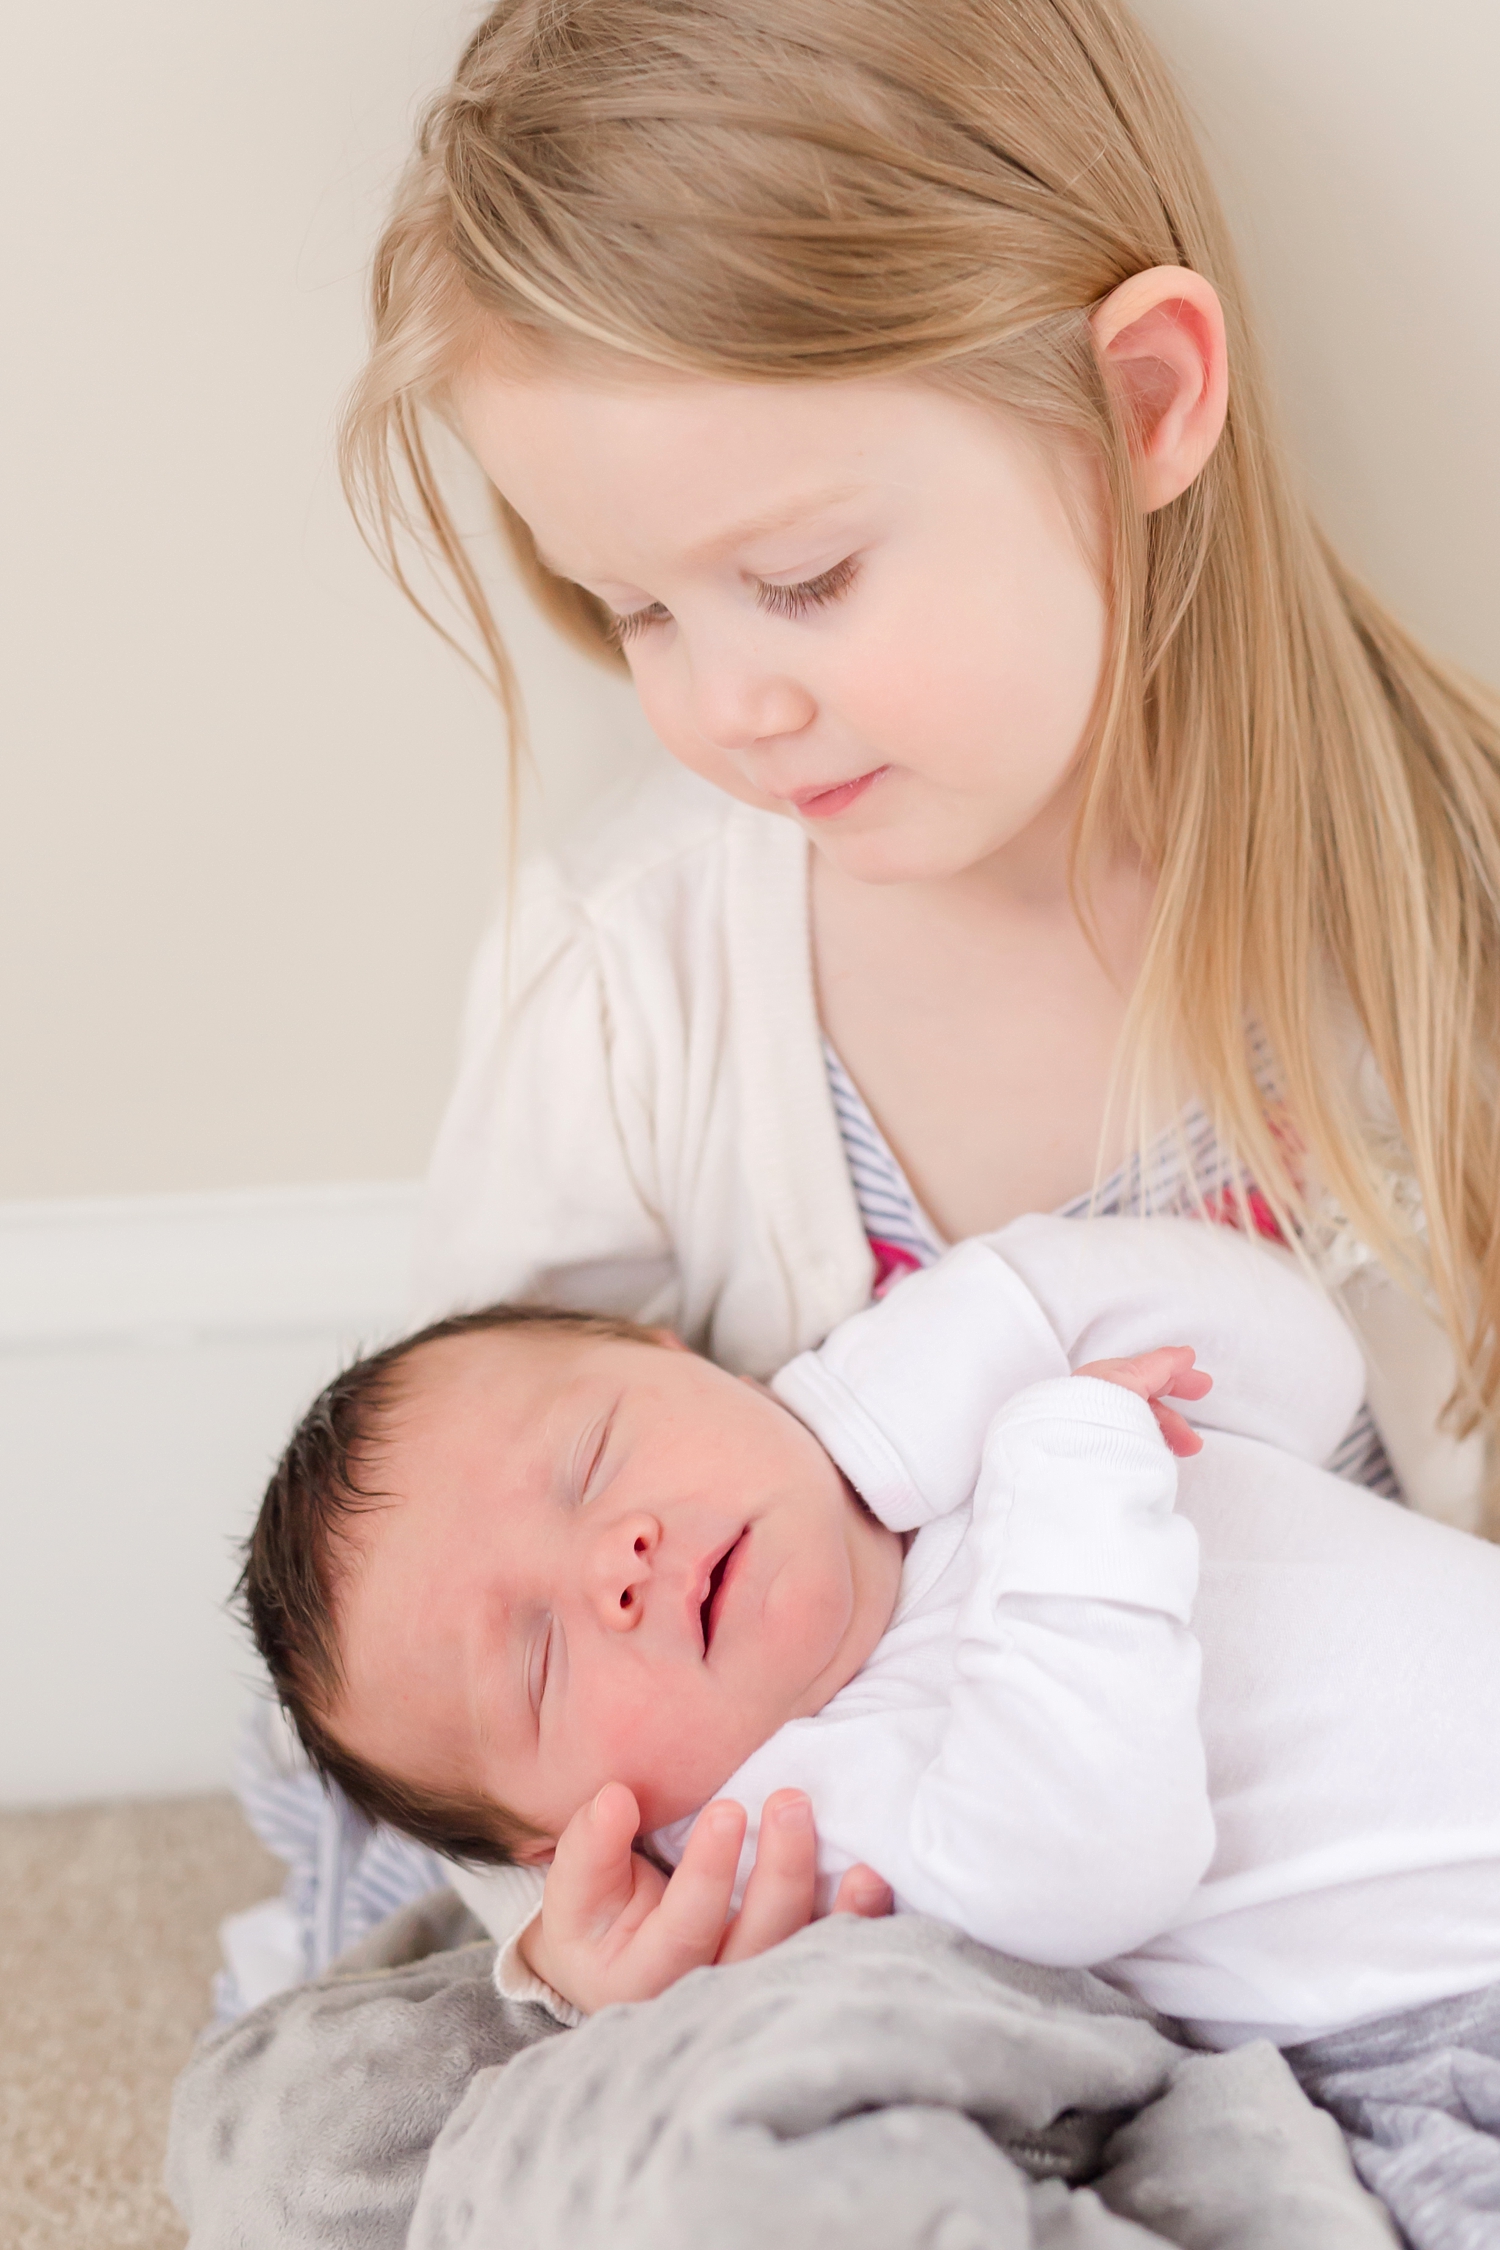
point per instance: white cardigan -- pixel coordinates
(642, 1121)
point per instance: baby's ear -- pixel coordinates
(537, 1852)
(673, 1342)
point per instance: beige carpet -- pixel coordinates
(108, 1921)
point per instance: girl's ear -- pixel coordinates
(535, 1852)
(1160, 336)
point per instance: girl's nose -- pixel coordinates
(739, 705)
(620, 1570)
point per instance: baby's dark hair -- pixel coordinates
(288, 1584)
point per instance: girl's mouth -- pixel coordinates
(825, 804)
(712, 1604)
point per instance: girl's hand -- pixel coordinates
(1153, 1376)
(613, 1927)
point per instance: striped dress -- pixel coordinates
(1185, 1173)
(345, 1876)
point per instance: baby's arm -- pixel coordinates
(612, 1927)
(903, 1393)
(1287, 1369)
(1066, 1817)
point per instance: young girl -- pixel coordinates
(1064, 828)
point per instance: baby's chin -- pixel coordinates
(664, 1806)
(677, 1794)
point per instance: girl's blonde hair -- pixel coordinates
(772, 190)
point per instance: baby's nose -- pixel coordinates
(622, 1565)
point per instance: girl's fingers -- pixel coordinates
(687, 1925)
(779, 1894)
(863, 1892)
(592, 1876)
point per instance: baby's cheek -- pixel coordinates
(665, 1743)
(636, 1725)
(807, 1615)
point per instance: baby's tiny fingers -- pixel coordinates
(1181, 1438)
(687, 1925)
(779, 1894)
(863, 1892)
(592, 1875)
(1169, 1368)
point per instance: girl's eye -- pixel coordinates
(780, 601)
(625, 628)
(811, 593)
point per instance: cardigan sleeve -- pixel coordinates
(535, 1194)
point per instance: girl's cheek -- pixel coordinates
(670, 721)
(665, 711)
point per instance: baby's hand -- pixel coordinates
(1153, 1376)
(613, 1927)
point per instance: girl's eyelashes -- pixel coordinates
(776, 599)
(809, 593)
(625, 626)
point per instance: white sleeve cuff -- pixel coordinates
(515, 1979)
(901, 1395)
(1077, 1498)
(503, 1899)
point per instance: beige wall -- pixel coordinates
(1355, 144)
(252, 814)
(252, 810)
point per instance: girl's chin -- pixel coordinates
(889, 855)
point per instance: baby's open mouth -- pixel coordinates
(706, 1615)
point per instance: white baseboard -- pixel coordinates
(287, 1261)
(154, 1353)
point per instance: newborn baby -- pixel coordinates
(1223, 1730)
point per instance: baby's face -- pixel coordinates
(600, 1561)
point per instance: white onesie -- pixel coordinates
(1226, 1729)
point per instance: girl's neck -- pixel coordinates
(982, 1022)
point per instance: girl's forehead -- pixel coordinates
(837, 417)
(713, 466)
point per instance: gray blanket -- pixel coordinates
(867, 2086)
